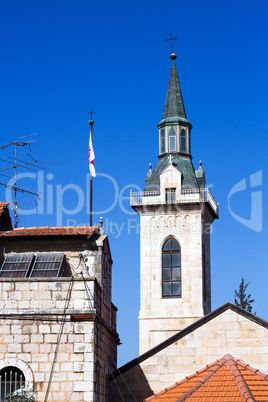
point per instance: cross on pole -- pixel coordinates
(171, 39)
(91, 113)
(170, 159)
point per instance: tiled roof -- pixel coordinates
(5, 220)
(182, 163)
(50, 231)
(174, 106)
(3, 206)
(225, 380)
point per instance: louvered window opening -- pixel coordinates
(183, 140)
(47, 265)
(12, 380)
(172, 140)
(163, 141)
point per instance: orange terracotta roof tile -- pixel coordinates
(50, 231)
(226, 380)
(5, 220)
(3, 206)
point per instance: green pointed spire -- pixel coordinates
(174, 106)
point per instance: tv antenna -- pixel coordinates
(29, 163)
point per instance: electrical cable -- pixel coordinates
(108, 365)
(67, 301)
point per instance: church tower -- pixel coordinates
(176, 211)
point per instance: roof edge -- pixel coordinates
(42, 231)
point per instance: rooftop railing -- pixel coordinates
(172, 196)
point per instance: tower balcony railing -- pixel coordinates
(172, 196)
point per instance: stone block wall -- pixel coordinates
(227, 333)
(31, 316)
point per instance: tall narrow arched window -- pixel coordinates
(106, 387)
(172, 140)
(12, 379)
(98, 383)
(162, 141)
(171, 269)
(183, 141)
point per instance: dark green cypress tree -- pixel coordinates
(242, 299)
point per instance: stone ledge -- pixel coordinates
(27, 312)
(62, 279)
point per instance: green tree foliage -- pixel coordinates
(242, 299)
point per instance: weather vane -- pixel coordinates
(171, 39)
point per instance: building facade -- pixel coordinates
(58, 324)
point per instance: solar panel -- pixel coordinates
(48, 265)
(16, 266)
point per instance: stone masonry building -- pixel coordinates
(58, 324)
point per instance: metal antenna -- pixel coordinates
(171, 39)
(16, 162)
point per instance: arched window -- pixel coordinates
(162, 141)
(98, 383)
(183, 141)
(106, 387)
(12, 379)
(172, 140)
(171, 269)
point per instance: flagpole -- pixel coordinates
(91, 122)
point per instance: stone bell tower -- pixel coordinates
(176, 211)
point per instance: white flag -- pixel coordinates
(91, 158)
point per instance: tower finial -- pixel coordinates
(173, 55)
(91, 122)
(101, 225)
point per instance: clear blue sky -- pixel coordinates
(61, 58)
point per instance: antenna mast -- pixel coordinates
(15, 166)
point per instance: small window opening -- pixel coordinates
(170, 195)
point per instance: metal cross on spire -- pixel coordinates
(171, 39)
(91, 113)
